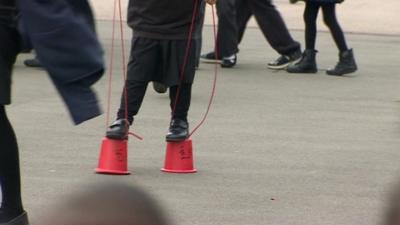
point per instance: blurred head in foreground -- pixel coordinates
(393, 211)
(108, 204)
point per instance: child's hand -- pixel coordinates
(211, 2)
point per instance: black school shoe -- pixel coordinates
(285, 60)
(19, 220)
(118, 130)
(160, 88)
(178, 131)
(210, 58)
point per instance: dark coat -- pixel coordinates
(65, 42)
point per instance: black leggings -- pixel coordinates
(9, 171)
(329, 13)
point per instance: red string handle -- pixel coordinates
(125, 91)
(215, 74)
(111, 66)
(186, 57)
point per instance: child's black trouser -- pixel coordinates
(160, 61)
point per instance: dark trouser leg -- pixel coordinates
(183, 103)
(310, 20)
(227, 28)
(329, 11)
(243, 16)
(136, 91)
(273, 26)
(9, 171)
(143, 64)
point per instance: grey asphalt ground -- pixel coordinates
(277, 148)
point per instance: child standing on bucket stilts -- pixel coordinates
(161, 31)
(308, 63)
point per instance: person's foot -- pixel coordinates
(20, 219)
(347, 64)
(178, 131)
(285, 60)
(159, 87)
(229, 62)
(210, 58)
(307, 64)
(118, 130)
(32, 63)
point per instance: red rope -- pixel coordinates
(187, 52)
(215, 75)
(186, 58)
(121, 24)
(111, 68)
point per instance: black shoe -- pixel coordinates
(178, 131)
(19, 220)
(229, 62)
(210, 58)
(159, 87)
(285, 60)
(32, 63)
(118, 130)
(307, 64)
(347, 64)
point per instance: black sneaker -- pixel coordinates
(229, 62)
(285, 60)
(210, 58)
(118, 130)
(159, 87)
(178, 131)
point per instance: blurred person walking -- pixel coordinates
(233, 17)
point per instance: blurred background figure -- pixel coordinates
(233, 16)
(108, 204)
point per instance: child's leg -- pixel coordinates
(135, 91)
(329, 11)
(183, 103)
(179, 128)
(310, 19)
(11, 206)
(347, 63)
(143, 64)
(308, 63)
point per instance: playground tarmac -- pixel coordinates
(277, 148)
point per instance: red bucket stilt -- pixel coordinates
(179, 157)
(113, 157)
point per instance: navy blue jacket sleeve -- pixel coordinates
(66, 44)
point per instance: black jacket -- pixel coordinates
(162, 19)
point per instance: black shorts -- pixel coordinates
(161, 61)
(9, 48)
